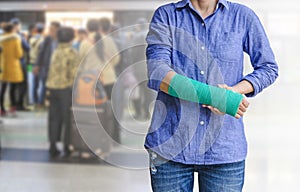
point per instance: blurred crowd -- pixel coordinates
(55, 55)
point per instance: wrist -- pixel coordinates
(235, 89)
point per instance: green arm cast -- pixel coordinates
(188, 89)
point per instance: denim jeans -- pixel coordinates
(39, 90)
(169, 176)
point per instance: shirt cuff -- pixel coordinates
(253, 80)
(157, 76)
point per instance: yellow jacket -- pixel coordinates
(11, 68)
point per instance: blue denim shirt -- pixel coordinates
(210, 51)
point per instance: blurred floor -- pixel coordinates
(272, 163)
(21, 171)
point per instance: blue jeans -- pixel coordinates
(39, 90)
(169, 176)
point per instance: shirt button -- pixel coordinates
(202, 47)
(202, 72)
(202, 123)
(202, 24)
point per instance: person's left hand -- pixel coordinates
(242, 108)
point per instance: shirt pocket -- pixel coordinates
(229, 46)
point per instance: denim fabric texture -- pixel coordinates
(169, 176)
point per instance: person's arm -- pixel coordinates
(18, 50)
(164, 86)
(75, 62)
(224, 100)
(244, 87)
(115, 56)
(25, 44)
(158, 51)
(257, 46)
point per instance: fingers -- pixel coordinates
(240, 113)
(214, 110)
(237, 116)
(245, 103)
(242, 108)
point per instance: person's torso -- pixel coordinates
(209, 51)
(9, 43)
(35, 43)
(61, 68)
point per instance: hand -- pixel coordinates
(242, 107)
(35, 70)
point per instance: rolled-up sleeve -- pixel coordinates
(257, 45)
(159, 49)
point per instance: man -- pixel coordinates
(42, 63)
(194, 46)
(22, 87)
(35, 44)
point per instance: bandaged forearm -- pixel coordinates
(188, 89)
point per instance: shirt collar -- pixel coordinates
(183, 3)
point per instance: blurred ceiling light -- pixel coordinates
(76, 19)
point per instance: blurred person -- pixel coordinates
(82, 35)
(1, 32)
(42, 63)
(22, 86)
(109, 55)
(31, 33)
(35, 44)
(139, 58)
(121, 40)
(11, 67)
(87, 44)
(109, 48)
(2, 24)
(202, 42)
(132, 92)
(63, 67)
(30, 77)
(1, 27)
(94, 54)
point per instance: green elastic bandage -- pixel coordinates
(188, 89)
